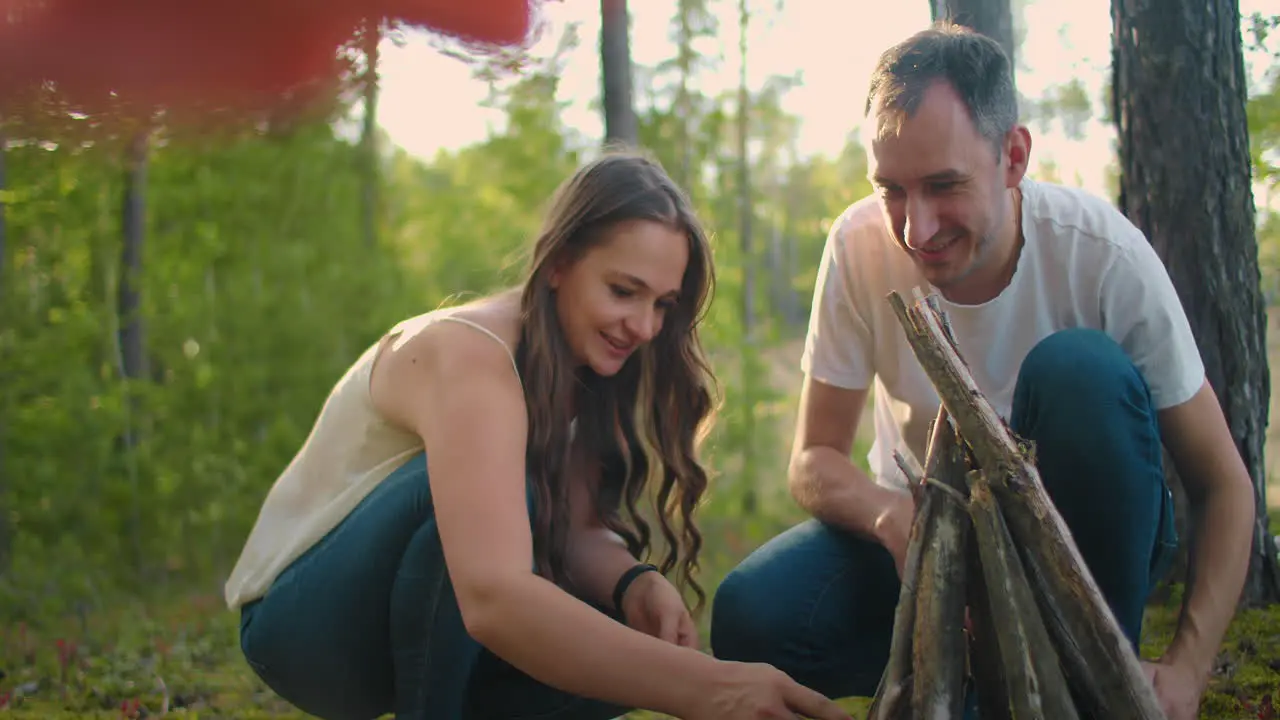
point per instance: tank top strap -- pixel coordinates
(488, 332)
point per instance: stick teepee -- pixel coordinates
(987, 545)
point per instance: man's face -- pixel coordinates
(942, 187)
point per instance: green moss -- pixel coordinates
(1248, 666)
(123, 651)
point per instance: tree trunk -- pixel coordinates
(1179, 106)
(133, 226)
(369, 133)
(4, 490)
(993, 18)
(745, 209)
(684, 99)
(133, 356)
(746, 214)
(615, 71)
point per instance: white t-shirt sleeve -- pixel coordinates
(838, 348)
(1141, 310)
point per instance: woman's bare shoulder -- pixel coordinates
(450, 345)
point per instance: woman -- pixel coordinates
(458, 537)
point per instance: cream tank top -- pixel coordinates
(351, 448)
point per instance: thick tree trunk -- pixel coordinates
(615, 71)
(1179, 107)
(992, 18)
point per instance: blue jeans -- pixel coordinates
(818, 602)
(366, 623)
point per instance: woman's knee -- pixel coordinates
(322, 676)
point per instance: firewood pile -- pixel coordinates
(987, 545)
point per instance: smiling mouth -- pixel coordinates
(935, 249)
(619, 346)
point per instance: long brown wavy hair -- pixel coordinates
(644, 423)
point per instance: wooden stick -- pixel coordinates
(1035, 684)
(893, 697)
(984, 651)
(1099, 659)
(892, 700)
(939, 645)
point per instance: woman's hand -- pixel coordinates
(654, 606)
(755, 691)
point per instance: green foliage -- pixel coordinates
(258, 288)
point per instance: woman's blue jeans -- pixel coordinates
(366, 623)
(818, 603)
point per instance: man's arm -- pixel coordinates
(1220, 498)
(826, 483)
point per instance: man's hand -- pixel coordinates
(1178, 689)
(893, 528)
(653, 606)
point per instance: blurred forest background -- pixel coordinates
(175, 305)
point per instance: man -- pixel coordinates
(1073, 331)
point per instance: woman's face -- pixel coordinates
(615, 297)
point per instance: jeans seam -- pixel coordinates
(437, 598)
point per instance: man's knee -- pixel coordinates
(743, 620)
(1086, 407)
(763, 609)
(1080, 365)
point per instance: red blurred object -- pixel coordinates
(205, 54)
(495, 22)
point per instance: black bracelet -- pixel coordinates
(625, 581)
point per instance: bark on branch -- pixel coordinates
(939, 642)
(1034, 682)
(892, 700)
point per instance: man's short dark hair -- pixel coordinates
(974, 65)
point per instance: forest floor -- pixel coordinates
(178, 655)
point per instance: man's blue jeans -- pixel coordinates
(366, 623)
(818, 603)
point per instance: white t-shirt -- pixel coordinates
(1083, 264)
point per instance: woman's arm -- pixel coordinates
(596, 556)
(456, 388)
